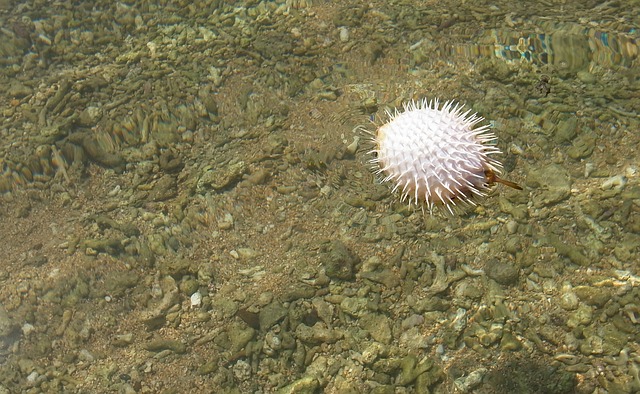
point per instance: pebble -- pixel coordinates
(196, 299)
(586, 77)
(271, 314)
(378, 326)
(552, 184)
(158, 345)
(343, 33)
(317, 334)
(569, 301)
(504, 273)
(512, 227)
(27, 329)
(340, 262)
(467, 383)
(122, 340)
(86, 356)
(617, 183)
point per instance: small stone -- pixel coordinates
(509, 342)
(18, 90)
(411, 369)
(90, 116)
(354, 306)
(86, 356)
(378, 326)
(412, 321)
(371, 353)
(239, 335)
(570, 251)
(468, 382)
(36, 260)
(582, 316)
(582, 146)
(221, 178)
(27, 329)
(241, 370)
(158, 345)
(208, 368)
(122, 340)
(165, 188)
(586, 77)
(196, 299)
(225, 222)
(569, 301)
(512, 227)
(317, 334)
(344, 34)
(189, 286)
(340, 262)
(386, 277)
(271, 314)
(594, 296)
(305, 385)
(566, 130)
(552, 184)
(246, 253)
(502, 272)
(299, 291)
(8, 330)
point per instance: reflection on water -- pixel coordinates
(569, 46)
(187, 203)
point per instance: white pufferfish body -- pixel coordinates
(434, 155)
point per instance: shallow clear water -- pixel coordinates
(187, 199)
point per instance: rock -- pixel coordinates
(156, 314)
(386, 277)
(466, 384)
(165, 188)
(271, 314)
(582, 316)
(176, 267)
(36, 260)
(340, 262)
(86, 356)
(305, 385)
(586, 77)
(566, 130)
(223, 307)
(239, 336)
(122, 340)
(378, 326)
(411, 369)
(119, 282)
(222, 178)
(582, 146)
(594, 296)
(90, 116)
(9, 330)
(502, 272)
(553, 185)
(189, 286)
(569, 251)
(323, 309)
(170, 162)
(97, 152)
(317, 334)
(158, 345)
(354, 306)
(509, 342)
(299, 291)
(208, 368)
